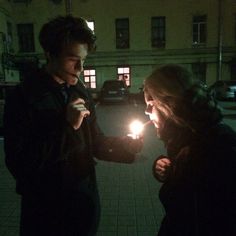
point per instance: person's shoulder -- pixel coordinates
(35, 83)
(33, 78)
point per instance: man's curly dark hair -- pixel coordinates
(64, 30)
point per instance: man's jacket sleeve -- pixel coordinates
(114, 149)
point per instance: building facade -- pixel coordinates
(133, 37)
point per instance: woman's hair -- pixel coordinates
(181, 98)
(62, 31)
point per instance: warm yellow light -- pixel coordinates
(136, 127)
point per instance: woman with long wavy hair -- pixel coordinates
(199, 170)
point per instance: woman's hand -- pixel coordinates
(161, 168)
(75, 113)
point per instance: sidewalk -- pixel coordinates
(129, 193)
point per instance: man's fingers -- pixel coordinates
(164, 162)
(79, 107)
(78, 101)
(159, 168)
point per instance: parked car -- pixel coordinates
(114, 91)
(138, 97)
(224, 90)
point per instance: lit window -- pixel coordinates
(90, 78)
(91, 24)
(124, 74)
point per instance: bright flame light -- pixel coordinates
(136, 127)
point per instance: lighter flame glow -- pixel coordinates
(136, 127)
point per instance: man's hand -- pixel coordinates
(75, 113)
(161, 168)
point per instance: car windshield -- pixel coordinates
(116, 84)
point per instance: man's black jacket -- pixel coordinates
(42, 150)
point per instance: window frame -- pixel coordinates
(199, 30)
(9, 38)
(89, 22)
(158, 32)
(122, 33)
(89, 75)
(124, 73)
(26, 42)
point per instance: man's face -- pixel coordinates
(155, 115)
(68, 65)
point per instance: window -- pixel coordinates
(90, 24)
(122, 33)
(234, 27)
(26, 37)
(158, 25)
(124, 74)
(199, 30)
(199, 71)
(90, 78)
(233, 68)
(9, 38)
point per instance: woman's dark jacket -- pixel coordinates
(48, 158)
(199, 196)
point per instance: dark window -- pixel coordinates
(122, 33)
(26, 37)
(9, 37)
(199, 30)
(233, 68)
(234, 27)
(158, 25)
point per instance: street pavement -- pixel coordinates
(129, 193)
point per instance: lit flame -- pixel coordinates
(136, 127)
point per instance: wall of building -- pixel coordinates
(141, 57)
